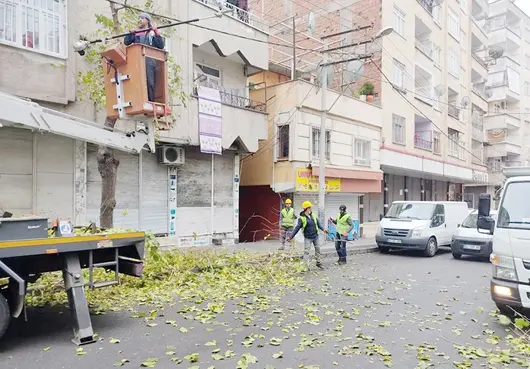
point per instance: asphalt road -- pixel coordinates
(354, 316)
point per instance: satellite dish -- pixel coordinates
(311, 23)
(465, 101)
(355, 71)
(496, 52)
(440, 90)
(488, 93)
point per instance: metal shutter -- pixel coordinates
(155, 187)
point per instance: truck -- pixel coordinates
(26, 250)
(510, 258)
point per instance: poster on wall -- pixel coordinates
(172, 205)
(307, 182)
(210, 121)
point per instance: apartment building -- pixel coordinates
(507, 125)
(194, 201)
(287, 164)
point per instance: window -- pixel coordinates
(398, 74)
(316, 143)
(463, 6)
(362, 152)
(514, 213)
(454, 63)
(436, 143)
(527, 88)
(399, 21)
(398, 129)
(438, 216)
(283, 141)
(527, 61)
(436, 55)
(207, 76)
(437, 14)
(453, 25)
(36, 25)
(454, 145)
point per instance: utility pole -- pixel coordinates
(322, 142)
(325, 109)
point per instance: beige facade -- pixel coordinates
(507, 126)
(38, 62)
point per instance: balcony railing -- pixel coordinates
(423, 144)
(424, 94)
(425, 46)
(239, 13)
(497, 166)
(478, 156)
(453, 111)
(234, 97)
(479, 60)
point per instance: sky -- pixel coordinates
(524, 5)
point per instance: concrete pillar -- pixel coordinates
(405, 189)
(385, 194)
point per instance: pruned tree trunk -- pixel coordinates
(108, 163)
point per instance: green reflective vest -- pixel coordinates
(287, 217)
(342, 223)
(304, 221)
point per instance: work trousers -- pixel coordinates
(150, 69)
(307, 247)
(340, 246)
(284, 234)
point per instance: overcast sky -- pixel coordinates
(524, 5)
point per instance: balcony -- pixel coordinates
(424, 94)
(479, 65)
(501, 92)
(508, 36)
(453, 111)
(425, 47)
(501, 121)
(478, 155)
(422, 144)
(477, 124)
(478, 97)
(498, 166)
(502, 143)
(252, 50)
(243, 119)
(507, 61)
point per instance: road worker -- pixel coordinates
(310, 225)
(344, 225)
(287, 217)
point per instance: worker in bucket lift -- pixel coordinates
(310, 225)
(287, 218)
(147, 34)
(344, 225)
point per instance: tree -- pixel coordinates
(91, 87)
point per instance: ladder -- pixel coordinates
(114, 264)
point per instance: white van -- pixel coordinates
(510, 283)
(420, 225)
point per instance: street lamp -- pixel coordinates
(383, 32)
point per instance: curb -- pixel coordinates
(354, 251)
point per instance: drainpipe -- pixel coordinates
(361, 216)
(405, 189)
(385, 193)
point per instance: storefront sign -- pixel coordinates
(307, 182)
(480, 176)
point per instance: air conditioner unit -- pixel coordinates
(171, 155)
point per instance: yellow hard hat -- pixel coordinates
(288, 201)
(307, 204)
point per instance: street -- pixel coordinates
(398, 310)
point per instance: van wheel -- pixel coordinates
(5, 316)
(384, 250)
(432, 247)
(457, 255)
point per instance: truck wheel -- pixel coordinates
(5, 316)
(506, 310)
(457, 255)
(432, 247)
(384, 250)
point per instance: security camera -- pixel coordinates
(80, 46)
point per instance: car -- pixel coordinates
(467, 240)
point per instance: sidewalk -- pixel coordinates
(361, 246)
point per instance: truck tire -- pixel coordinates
(456, 255)
(432, 247)
(5, 316)
(384, 250)
(506, 310)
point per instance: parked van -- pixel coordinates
(420, 225)
(510, 283)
